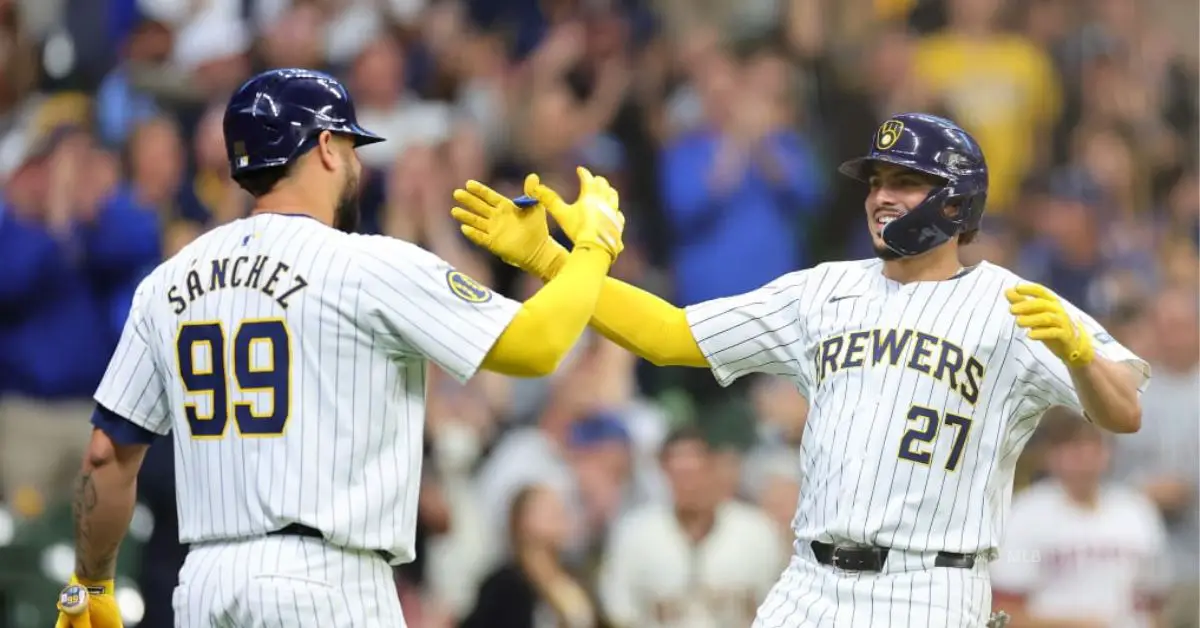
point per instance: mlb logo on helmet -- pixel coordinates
(889, 133)
(239, 150)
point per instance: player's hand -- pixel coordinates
(518, 236)
(593, 191)
(88, 605)
(1042, 313)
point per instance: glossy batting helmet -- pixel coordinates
(276, 116)
(938, 147)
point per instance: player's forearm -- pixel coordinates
(103, 505)
(638, 321)
(1108, 393)
(551, 321)
(646, 325)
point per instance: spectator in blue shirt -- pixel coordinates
(735, 189)
(67, 257)
(120, 105)
(126, 232)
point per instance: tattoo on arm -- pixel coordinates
(95, 558)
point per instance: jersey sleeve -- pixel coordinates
(421, 305)
(757, 332)
(1016, 570)
(1050, 379)
(133, 386)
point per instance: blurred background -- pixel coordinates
(721, 122)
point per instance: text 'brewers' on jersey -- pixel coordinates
(290, 359)
(921, 396)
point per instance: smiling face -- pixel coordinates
(895, 191)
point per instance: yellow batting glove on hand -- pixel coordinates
(88, 604)
(571, 216)
(518, 236)
(1042, 313)
(594, 220)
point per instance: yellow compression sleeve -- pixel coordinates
(646, 325)
(551, 321)
(639, 321)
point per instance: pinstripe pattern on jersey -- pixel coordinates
(371, 314)
(856, 488)
(810, 595)
(278, 582)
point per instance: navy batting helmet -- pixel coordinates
(938, 147)
(276, 117)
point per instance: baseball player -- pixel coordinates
(699, 562)
(288, 357)
(1101, 562)
(925, 379)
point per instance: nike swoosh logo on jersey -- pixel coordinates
(844, 297)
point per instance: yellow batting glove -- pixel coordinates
(594, 219)
(1042, 313)
(88, 604)
(569, 216)
(518, 236)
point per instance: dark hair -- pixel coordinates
(967, 237)
(263, 180)
(687, 433)
(1061, 426)
(132, 143)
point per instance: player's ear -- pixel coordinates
(326, 150)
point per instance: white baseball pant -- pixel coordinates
(909, 591)
(285, 581)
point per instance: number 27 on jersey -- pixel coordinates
(924, 427)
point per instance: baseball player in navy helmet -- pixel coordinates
(286, 356)
(924, 378)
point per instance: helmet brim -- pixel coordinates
(861, 168)
(362, 137)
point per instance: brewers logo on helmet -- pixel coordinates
(888, 133)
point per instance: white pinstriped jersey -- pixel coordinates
(921, 396)
(289, 360)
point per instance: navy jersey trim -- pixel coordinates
(120, 429)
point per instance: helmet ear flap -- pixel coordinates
(925, 226)
(959, 208)
(971, 210)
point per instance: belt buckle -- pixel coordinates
(836, 559)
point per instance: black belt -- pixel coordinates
(872, 558)
(299, 529)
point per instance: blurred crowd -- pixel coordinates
(721, 122)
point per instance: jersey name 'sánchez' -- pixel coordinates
(289, 359)
(921, 396)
